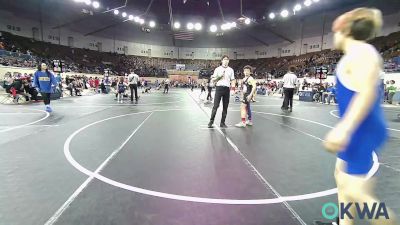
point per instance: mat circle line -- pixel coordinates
(28, 124)
(82, 169)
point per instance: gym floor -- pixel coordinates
(96, 161)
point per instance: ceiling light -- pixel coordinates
(141, 21)
(177, 25)
(124, 14)
(152, 24)
(213, 28)
(272, 16)
(284, 13)
(96, 4)
(297, 7)
(116, 12)
(88, 2)
(307, 3)
(247, 21)
(233, 24)
(190, 26)
(197, 26)
(130, 17)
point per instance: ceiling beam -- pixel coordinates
(119, 7)
(171, 21)
(256, 39)
(85, 17)
(105, 28)
(241, 8)
(279, 35)
(220, 10)
(148, 8)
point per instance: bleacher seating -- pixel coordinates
(26, 52)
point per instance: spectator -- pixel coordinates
(391, 91)
(44, 80)
(330, 93)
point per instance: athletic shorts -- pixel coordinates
(244, 100)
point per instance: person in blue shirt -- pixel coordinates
(59, 81)
(330, 92)
(44, 81)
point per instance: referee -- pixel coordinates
(289, 84)
(223, 75)
(133, 80)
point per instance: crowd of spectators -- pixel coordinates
(25, 52)
(19, 85)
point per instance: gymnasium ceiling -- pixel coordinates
(69, 14)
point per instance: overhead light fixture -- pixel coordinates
(124, 14)
(116, 12)
(233, 24)
(271, 16)
(213, 28)
(247, 21)
(284, 13)
(190, 26)
(307, 3)
(177, 25)
(152, 24)
(78, 0)
(316, 0)
(88, 2)
(198, 26)
(130, 17)
(297, 7)
(141, 21)
(96, 4)
(136, 19)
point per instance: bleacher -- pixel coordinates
(26, 52)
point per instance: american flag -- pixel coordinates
(184, 35)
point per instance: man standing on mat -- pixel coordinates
(361, 130)
(133, 80)
(166, 86)
(223, 75)
(289, 83)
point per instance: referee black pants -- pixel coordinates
(209, 89)
(223, 93)
(288, 100)
(133, 88)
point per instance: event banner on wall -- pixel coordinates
(183, 78)
(180, 67)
